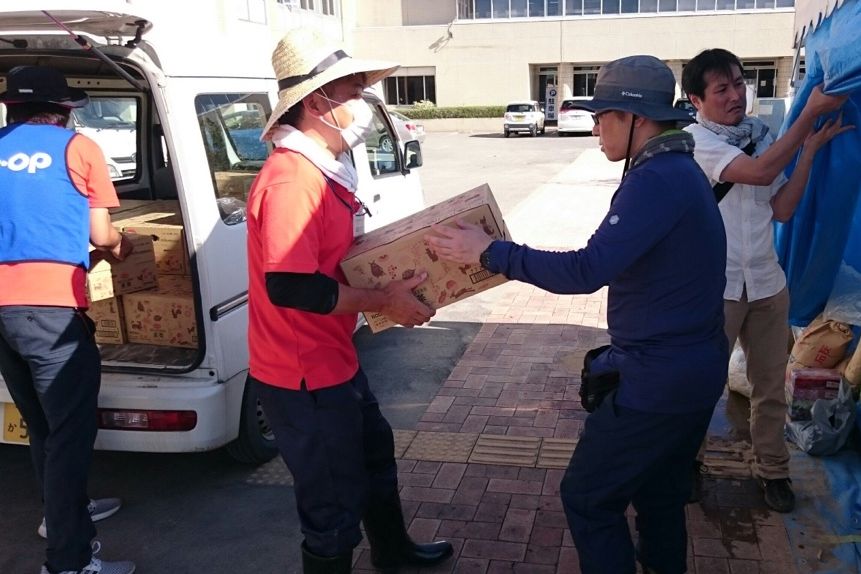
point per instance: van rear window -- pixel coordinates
(519, 108)
(567, 106)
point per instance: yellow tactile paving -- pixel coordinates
(725, 459)
(403, 439)
(441, 446)
(506, 450)
(556, 452)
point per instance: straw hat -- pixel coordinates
(304, 61)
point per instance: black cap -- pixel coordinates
(642, 85)
(26, 84)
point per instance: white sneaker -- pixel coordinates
(100, 508)
(97, 566)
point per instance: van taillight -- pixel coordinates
(120, 419)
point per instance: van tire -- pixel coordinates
(533, 130)
(506, 133)
(256, 442)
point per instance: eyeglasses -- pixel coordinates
(597, 118)
(358, 207)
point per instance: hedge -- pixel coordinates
(432, 113)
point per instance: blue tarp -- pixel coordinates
(821, 245)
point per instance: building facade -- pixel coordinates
(489, 52)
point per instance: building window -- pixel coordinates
(252, 10)
(518, 8)
(584, 80)
(504, 9)
(410, 87)
(326, 7)
(762, 77)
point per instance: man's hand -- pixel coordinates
(829, 130)
(463, 244)
(122, 249)
(819, 103)
(402, 306)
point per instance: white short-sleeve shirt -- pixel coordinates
(751, 260)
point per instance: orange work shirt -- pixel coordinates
(60, 284)
(301, 223)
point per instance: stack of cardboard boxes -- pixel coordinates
(148, 298)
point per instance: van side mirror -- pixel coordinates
(413, 154)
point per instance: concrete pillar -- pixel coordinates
(676, 67)
(565, 80)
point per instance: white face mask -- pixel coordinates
(363, 121)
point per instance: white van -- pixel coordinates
(196, 119)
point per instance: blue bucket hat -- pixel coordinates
(642, 85)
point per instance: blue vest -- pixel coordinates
(43, 216)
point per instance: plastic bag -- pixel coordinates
(232, 210)
(829, 427)
(737, 375)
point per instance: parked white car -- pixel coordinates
(523, 117)
(409, 129)
(572, 120)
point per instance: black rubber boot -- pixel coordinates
(313, 564)
(391, 546)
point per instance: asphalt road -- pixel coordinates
(190, 513)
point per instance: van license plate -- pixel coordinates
(14, 427)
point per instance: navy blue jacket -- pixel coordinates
(662, 250)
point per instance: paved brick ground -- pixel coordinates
(519, 378)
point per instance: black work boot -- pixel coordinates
(698, 472)
(778, 494)
(391, 546)
(313, 564)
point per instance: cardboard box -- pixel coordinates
(108, 278)
(162, 221)
(805, 386)
(398, 250)
(107, 314)
(163, 316)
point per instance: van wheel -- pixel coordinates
(542, 129)
(533, 130)
(256, 441)
(506, 133)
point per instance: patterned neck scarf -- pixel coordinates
(669, 141)
(749, 130)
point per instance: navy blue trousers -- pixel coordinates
(623, 457)
(52, 368)
(341, 453)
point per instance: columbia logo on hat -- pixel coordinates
(631, 94)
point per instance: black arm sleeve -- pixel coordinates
(312, 292)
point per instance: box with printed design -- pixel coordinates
(399, 250)
(805, 386)
(108, 278)
(165, 227)
(163, 316)
(107, 314)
